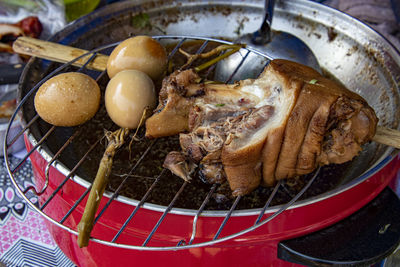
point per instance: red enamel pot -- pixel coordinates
(259, 246)
(356, 55)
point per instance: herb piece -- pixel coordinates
(220, 105)
(240, 26)
(313, 81)
(27, 4)
(384, 229)
(142, 21)
(192, 57)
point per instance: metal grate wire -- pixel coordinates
(179, 40)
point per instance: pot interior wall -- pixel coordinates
(359, 59)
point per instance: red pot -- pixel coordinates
(258, 247)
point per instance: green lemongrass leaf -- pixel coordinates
(28, 4)
(141, 20)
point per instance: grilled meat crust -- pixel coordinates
(286, 123)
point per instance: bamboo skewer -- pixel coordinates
(387, 136)
(58, 52)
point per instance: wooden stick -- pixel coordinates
(387, 136)
(57, 52)
(62, 53)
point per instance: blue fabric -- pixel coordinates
(396, 9)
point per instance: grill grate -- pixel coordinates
(53, 162)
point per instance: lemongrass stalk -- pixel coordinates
(115, 140)
(85, 226)
(192, 57)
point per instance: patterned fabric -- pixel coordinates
(24, 238)
(26, 253)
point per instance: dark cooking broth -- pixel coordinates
(138, 180)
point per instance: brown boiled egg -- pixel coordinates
(68, 99)
(127, 95)
(140, 53)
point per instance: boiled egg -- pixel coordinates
(127, 95)
(68, 99)
(140, 53)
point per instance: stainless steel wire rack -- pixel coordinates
(164, 211)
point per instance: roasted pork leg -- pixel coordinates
(286, 123)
